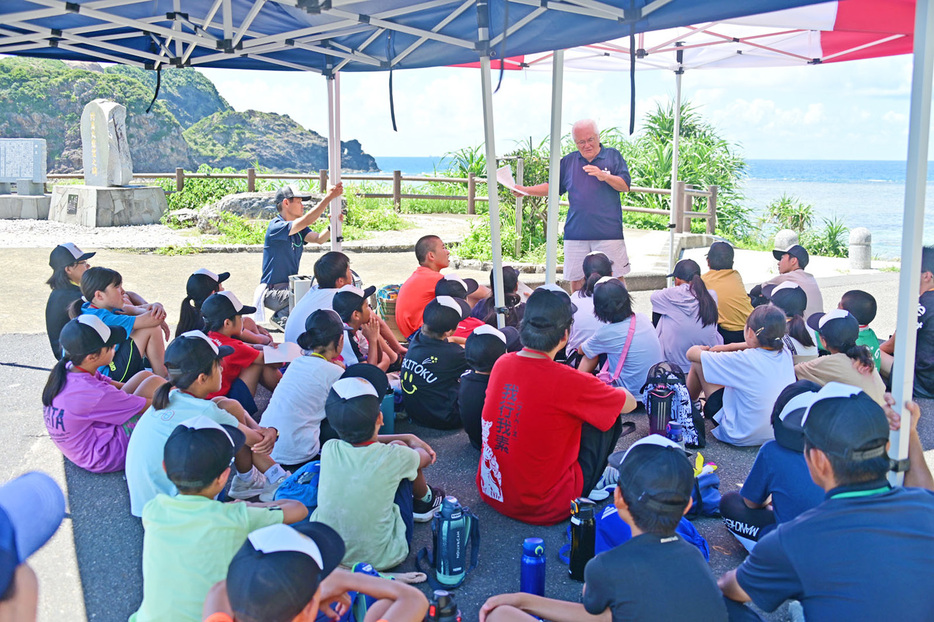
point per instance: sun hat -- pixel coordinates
(835, 327)
(350, 298)
(202, 283)
(720, 253)
(193, 351)
(549, 306)
(790, 407)
(372, 374)
(223, 306)
(453, 285)
(844, 421)
(656, 472)
(290, 192)
(352, 407)
(686, 269)
(87, 334)
(67, 254)
(787, 296)
(444, 313)
(484, 346)
(199, 450)
(795, 250)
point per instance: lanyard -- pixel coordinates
(861, 493)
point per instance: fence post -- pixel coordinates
(251, 179)
(471, 193)
(678, 206)
(323, 180)
(712, 209)
(179, 179)
(687, 209)
(397, 190)
(520, 180)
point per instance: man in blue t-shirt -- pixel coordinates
(593, 176)
(285, 239)
(865, 552)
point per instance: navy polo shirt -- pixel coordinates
(596, 211)
(782, 474)
(281, 252)
(865, 553)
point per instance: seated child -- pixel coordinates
(201, 284)
(484, 346)
(145, 325)
(486, 308)
(779, 486)
(372, 486)
(68, 263)
(458, 288)
(742, 381)
(791, 299)
(634, 581)
(296, 408)
(432, 367)
(862, 306)
(353, 307)
(245, 368)
(190, 539)
(194, 364)
(88, 415)
(847, 362)
(596, 266)
(281, 571)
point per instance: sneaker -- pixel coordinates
(247, 489)
(605, 486)
(424, 511)
(269, 492)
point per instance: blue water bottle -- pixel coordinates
(532, 578)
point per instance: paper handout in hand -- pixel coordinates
(504, 176)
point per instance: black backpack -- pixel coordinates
(667, 399)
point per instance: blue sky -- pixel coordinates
(856, 110)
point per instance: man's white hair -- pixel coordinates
(584, 124)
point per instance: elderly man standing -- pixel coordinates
(593, 176)
(285, 239)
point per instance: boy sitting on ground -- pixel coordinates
(456, 287)
(372, 487)
(433, 366)
(190, 539)
(352, 304)
(634, 581)
(484, 346)
(862, 306)
(284, 574)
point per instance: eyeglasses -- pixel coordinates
(593, 140)
(81, 263)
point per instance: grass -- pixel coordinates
(175, 250)
(891, 269)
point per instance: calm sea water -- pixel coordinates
(867, 194)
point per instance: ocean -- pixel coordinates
(861, 193)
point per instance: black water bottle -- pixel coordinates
(583, 536)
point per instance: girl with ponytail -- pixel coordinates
(685, 315)
(847, 363)
(596, 266)
(790, 298)
(742, 381)
(201, 284)
(88, 415)
(194, 364)
(297, 405)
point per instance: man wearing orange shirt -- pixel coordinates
(419, 289)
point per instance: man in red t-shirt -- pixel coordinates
(419, 289)
(547, 429)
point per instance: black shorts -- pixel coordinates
(127, 362)
(714, 404)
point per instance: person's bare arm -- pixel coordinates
(694, 353)
(615, 181)
(758, 506)
(292, 511)
(888, 346)
(918, 475)
(547, 608)
(217, 601)
(587, 363)
(730, 347)
(631, 401)
(541, 190)
(412, 441)
(731, 588)
(147, 319)
(309, 217)
(402, 602)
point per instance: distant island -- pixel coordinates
(190, 123)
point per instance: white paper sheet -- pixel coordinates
(283, 353)
(504, 176)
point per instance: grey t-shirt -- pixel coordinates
(644, 352)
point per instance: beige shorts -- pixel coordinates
(576, 250)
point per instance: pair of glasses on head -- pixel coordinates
(593, 140)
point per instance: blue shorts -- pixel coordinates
(240, 392)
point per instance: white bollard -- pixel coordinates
(785, 238)
(860, 249)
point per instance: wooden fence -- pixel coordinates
(683, 203)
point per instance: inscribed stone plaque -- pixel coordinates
(107, 160)
(22, 158)
(72, 204)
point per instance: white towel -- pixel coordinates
(260, 293)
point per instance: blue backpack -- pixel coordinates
(613, 531)
(302, 485)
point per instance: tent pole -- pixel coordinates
(554, 167)
(675, 197)
(919, 123)
(486, 84)
(334, 154)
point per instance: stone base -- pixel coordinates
(24, 206)
(98, 206)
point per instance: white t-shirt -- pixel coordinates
(296, 408)
(799, 352)
(752, 380)
(644, 352)
(312, 301)
(585, 322)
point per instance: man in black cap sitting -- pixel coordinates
(865, 552)
(791, 264)
(285, 239)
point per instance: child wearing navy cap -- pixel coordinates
(484, 346)
(201, 284)
(68, 263)
(190, 539)
(88, 415)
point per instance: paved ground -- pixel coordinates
(92, 567)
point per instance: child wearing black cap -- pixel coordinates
(285, 574)
(484, 346)
(791, 299)
(432, 367)
(88, 415)
(485, 310)
(372, 487)
(352, 305)
(194, 363)
(202, 284)
(190, 539)
(68, 263)
(458, 288)
(245, 368)
(634, 581)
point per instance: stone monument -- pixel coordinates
(23, 162)
(107, 198)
